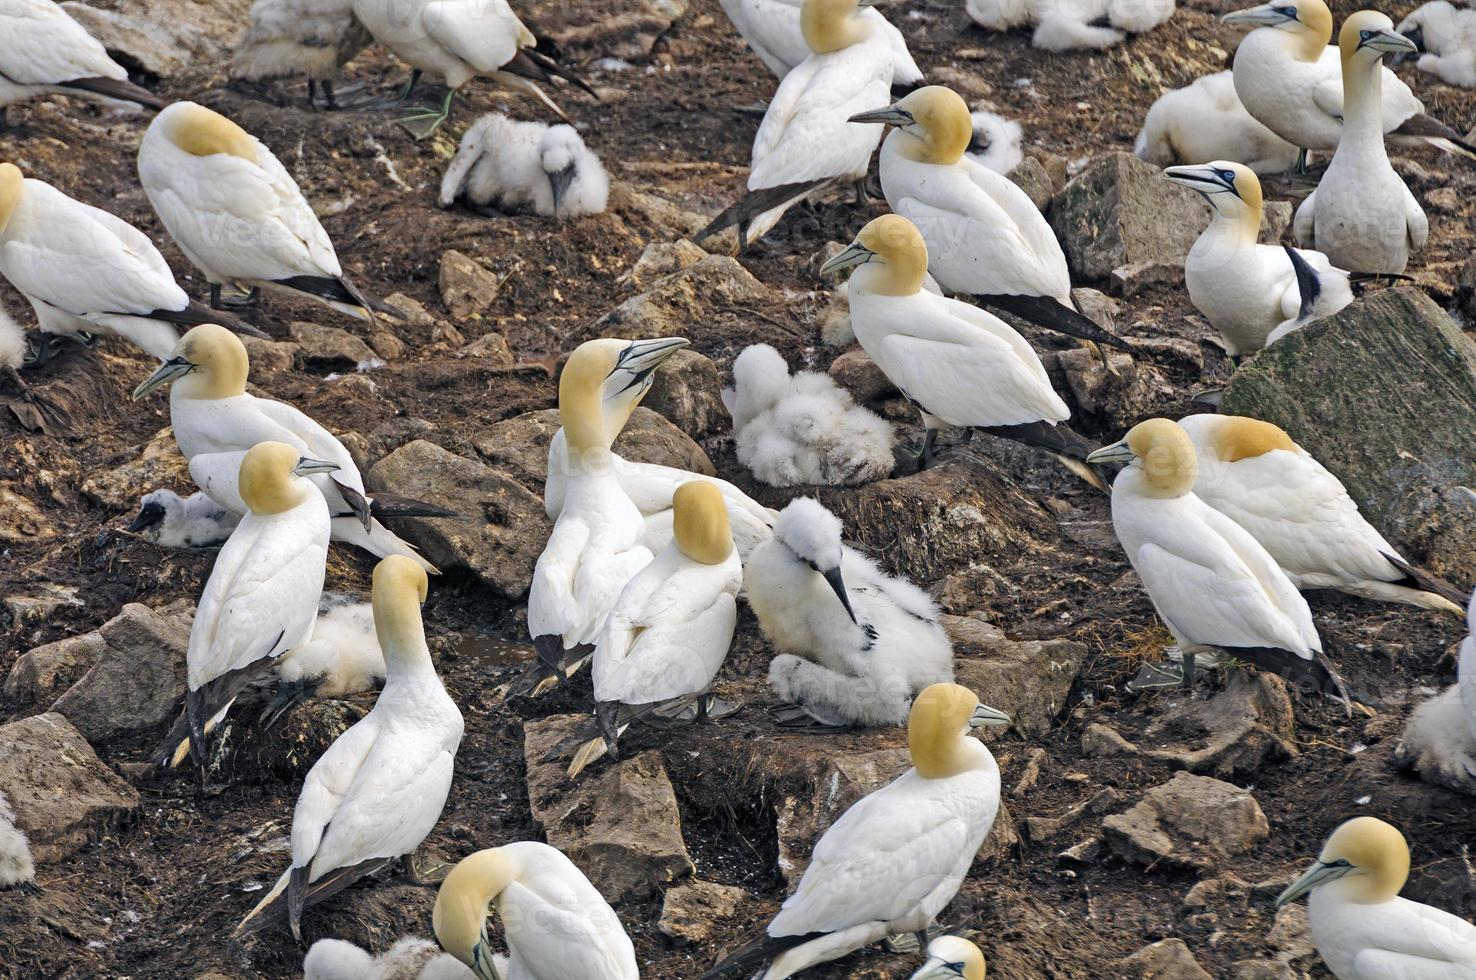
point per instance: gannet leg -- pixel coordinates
(1188, 670)
(332, 96)
(215, 296)
(312, 94)
(930, 441)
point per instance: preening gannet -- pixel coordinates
(314, 38)
(215, 420)
(17, 868)
(237, 214)
(1203, 122)
(951, 958)
(984, 236)
(379, 789)
(87, 271)
(1244, 289)
(805, 144)
(555, 923)
(995, 143)
(170, 521)
(47, 51)
(772, 30)
(1440, 739)
(804, 429)
(854, 644)
(1361, 214)
(958, 364)
(1212, 583)
(262, 595)
(526, 167)
(897, 857)
(1291, 80)
(1362, 929)
(408, 959)
(1253, 473)
(1068, 26)
(1446, 38)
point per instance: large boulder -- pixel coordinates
(1383, 393)
(39, 673)
(1028, 680)
(1190, 822)
(681, 303)
(164, 37)
(687, 391)
(519, 446)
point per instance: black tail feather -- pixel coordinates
(1418, 578)
(1054, 315)
(342, 291)
(205, 702)
(1308, 285)
(1317, 673)
(198, 313)
(1058, 440)
(276, 912)
(537, 66)
(756, 203)
(118, 88)
(1431, 130)
(388, 505)
(758, 952)
(553, 661)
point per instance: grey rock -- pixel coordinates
(491, 347)
(630, 34)
(1276, 218)
(1291, 936)
(269, 357)
(1263, 970)
(159, 464)
(1122, 398)
(856, 372)
(164, 37)
(1167, 959)
(41, 602)
(1040, 829)
(468, 288)
(662, 259)
(23, 522)
(687, 391)
(330, 347)
(1190, 821)
(678, 303)
(1028, 680)
(1030, 176)
(695, 910)
(41, 672)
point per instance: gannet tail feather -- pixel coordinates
(383, 505)
(1309, 287)
(758, 952)
(205, 706)
(1418, 578)
(272, 909)
(540, 66)
(1058, 440)
(197, 313)
(342, 294)
(1316, 671)
(1053, 315)
(1427, 129)
(757, 202)
(117, 88)
(554, 663)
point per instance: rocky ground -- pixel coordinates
(1144, 832)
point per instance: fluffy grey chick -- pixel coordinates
(526, 167)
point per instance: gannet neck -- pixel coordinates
(12, 186)
(1315, 30)
(700, 523)
(935, 731)
(1379, 856)
(1164, 458)
(267, 483)
(1363, 114)
(1234, 437)
(204, 132)
(460, 915)
(832, 25)
(220, 360)
(581, 401)
(942, 127)
(400, 586)
(899, 261)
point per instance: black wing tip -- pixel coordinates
(120, 89)
(197, 313)
(755, 203)
(388, 505)
(1308, 284)
(1428, 582)
(758, 952)
(1044, 311)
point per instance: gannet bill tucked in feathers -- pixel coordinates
(772, 30)
(170, 521)
(313, 38)
(1446, 38)
(526, 167)
(951, 958)
(1205, 121)
(378, 791)
(1361, 927)
(805, 145)
(1362, 214)
(854, 644)
(960, 365)
(238, 215)
(215, 420)
(893, 860)
(47, 51)
(1440, 739)
(407, 959)
(1062, 26)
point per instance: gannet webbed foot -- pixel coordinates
(423, 124)
(803, 718)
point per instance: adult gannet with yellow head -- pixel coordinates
(951, 958)
(238, 215)
(1362, 214)
(555, 923)
(805, 144)
(379, 789)
(215, 420)
(897, 857)
(47, 51)
(772, 29)
(1362, 929)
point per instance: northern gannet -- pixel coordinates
(985, 238)
(215, 420)
(238, 215)
(17, 867)
(340, 656)
(995, 142)
(960, 365)
(288, 38)
(1069, 26)
(84, 270)
(1204, 121)
(853, 644)
(379, 789)
(897, 857)
(47, 51)
(1253, 473)
(1213, 585)
(1446, 38)
(805, 144)
(262, 595)
(1440, 739)
(526, 167)
(951, 958)
(407, 959)
(772, 30)
(170, 521)
(556, 925)
(1291, 80)
(804, 429)
(1362, 929)
(1246, 290)
(1361, 214)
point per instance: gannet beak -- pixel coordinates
(175, 367)
(838, 584)
(1201, 178)
(150, 514)
(855, 254)
(1387, 42)
(1266, 15)
(307, 466)
(890, 116)
(1318, 874)
(936, 968)
(559, 181)
(1118, 452)
(640, 360)
(987, 717)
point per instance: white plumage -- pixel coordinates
(16, 864)
(1205, 121)
(407, 959)
(1440, 739)
(526, 167)
(1446, 37)
(170, 521)
(47, 51)
(804, 429)
(312, 38)
(772, 30)
(342, 653)
(12, 341)
(1067, 25)
(996, 142)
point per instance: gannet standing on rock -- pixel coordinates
(238, 215)
(805, 144)
(1361, 927)
(854, 644)
(408, 959)
(556, 925)
(301, 37)
(1361, 214)
(1063, 26)
(215, 420)
(1446, 38)
(951, 958)
(526, 167)
(897, 857)
(772, 29)
(1205, 121)
(379, 789)
(170, 521)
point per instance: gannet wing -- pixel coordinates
(771, 28)
(486, 34)
(1279, 590)
(316, 440)
(551, 602)
(1389, 965)
(1420, 942)
(974, 228)
(326, 785)
(44, 46)
(1414, 216)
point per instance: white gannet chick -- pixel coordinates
(1205, 121)
(288, 38)
(805, 144)
(341, 655)
(996, 142)
(215, 420)
(238, 215)
(555, 923)
(262, 595)
(47, 51)
(1362, 929)
(804, 429)
(595, 547)
(952, 958)
(1446, 38)
(1071, 26)
(1362, 214)
(84, 270)
(527, 167)
(1289, 78)
(1440, 739)
(12, 342)
(854, 644)
(17, 868)
(1244, 289)
(897, 857)
(379, 789)
(772, 30)
(1253, 473)
(984, 236)
(1211, 582)
(407, 959)
(960, 365)
(170, 521)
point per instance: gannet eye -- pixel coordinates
(1228, 176)
(1290, 12)
(1366, 35)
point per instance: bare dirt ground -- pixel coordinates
(156, 896)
